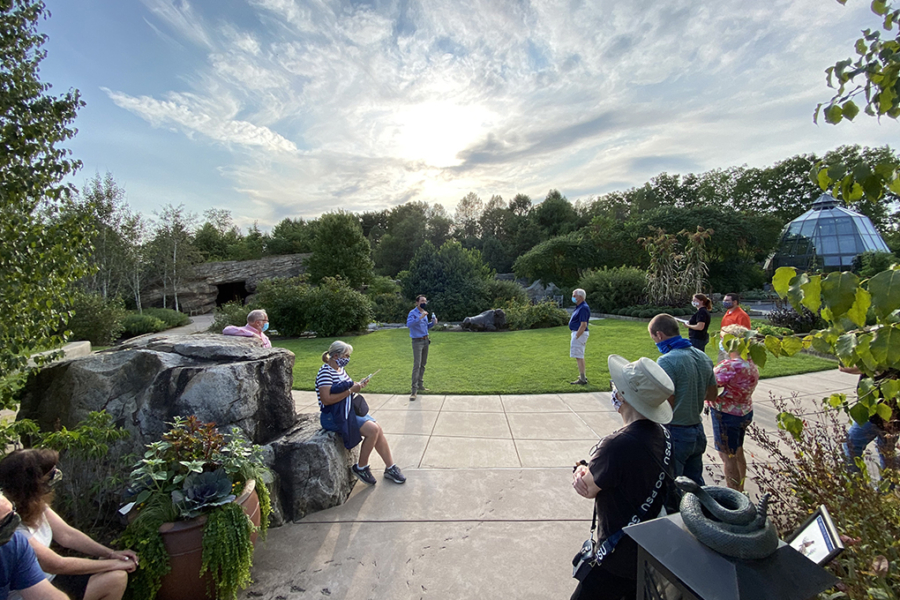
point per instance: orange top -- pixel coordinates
(736, 316)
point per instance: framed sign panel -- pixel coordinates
(817, 539)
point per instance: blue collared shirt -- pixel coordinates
(582, 314)
(418, 326)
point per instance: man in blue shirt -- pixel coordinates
(578, 325)
(418, 323)
(19, 568)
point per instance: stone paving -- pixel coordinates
(488, 507)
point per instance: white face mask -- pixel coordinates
(696, 304)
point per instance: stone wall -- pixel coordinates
(198, 292)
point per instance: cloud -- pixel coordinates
(367, 104)
(212, 120)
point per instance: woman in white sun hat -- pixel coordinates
(627, 474)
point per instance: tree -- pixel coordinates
(218, 236)
(43, 240)
(292, 236)
(340, 250)
(559, 260)
(134, 229)
(439, 225)
(406, 231)
(452, 277)
(103, 203)
(466, 218)
(173, 252)
(555, 215)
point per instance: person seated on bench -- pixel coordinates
(257, 325)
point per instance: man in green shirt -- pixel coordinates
(692, 373)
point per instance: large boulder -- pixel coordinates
(314, 468)
(143, 384)
(489, 320)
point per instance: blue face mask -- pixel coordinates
(573, 299)
(342, 362)
(727, 304)
(265, 326)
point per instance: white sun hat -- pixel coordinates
(645, 385)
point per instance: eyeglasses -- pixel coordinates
(55, 474)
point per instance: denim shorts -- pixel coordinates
(728, 430)
(327, 421)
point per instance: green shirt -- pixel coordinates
(692, 373)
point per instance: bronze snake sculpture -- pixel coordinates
(726, 520)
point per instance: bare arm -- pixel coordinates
(671, 400)
(328, 398)
(696, 326)
(43, 591)
(51, 562)
(711, 393)
(581, 329)
(73, 539)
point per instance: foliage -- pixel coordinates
(181, 476)
(869, 264)
(135, 324)
(89, 493)
(806, 471)
(645, 311)
(171, 251)
(340, 249)
(786, 316)
(453, 279)
(285, 302)
(500, 292)
(172, 318)
(766, 329)
(292, 236)
(555, 216)
(232, 313)
(228, 550)
(332, 308)
(43, 241)
(610, 289)
(559, 260)
(664, 282)
(535, 316)
(388, 306)
(694, 261)
(96, 320)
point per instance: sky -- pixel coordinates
(292, 108)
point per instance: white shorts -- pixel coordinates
(576, 348)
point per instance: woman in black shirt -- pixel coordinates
(699, 323)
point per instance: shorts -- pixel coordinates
(728, 430)
(327, 421)
(74, 586)
(576, 346)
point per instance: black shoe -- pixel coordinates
(394, 474)
(364, 474)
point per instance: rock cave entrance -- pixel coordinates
(231, 292)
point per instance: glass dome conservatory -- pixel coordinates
(828, 236)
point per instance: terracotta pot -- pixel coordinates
(184, 542)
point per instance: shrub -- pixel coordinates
(766, 329)
(611, 289)
(784, 315)
(136, 324)
(454, 280)
(535, 316)
(230, 313)
(869, 264)
(285, 302)
(808, 470)
(388, 305)
(500, 292)
(172, 318)
(96, 320)
(332, 308)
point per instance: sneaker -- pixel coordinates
(424, 389)
(364, 474)
(394, 474)
(579, 381)
(412, 396)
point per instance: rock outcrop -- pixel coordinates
(489, 320)
(231, 381)
(227, 280)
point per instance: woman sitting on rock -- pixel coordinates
(335, 390)
(27, 478)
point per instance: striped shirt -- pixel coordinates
(328, 376)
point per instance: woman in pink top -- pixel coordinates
(732, 410)
(257, 324)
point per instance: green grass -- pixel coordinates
(517, 362)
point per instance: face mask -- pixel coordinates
(423, 304)
(8, 527)
(727, 304)
(696, 304)
(342, 362)
(614, 399)
(573, 299)
(265, 326)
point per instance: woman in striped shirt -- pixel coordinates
(335, 390)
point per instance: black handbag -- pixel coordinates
(360, 407)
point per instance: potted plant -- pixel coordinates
(195, 513)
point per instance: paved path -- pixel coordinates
(488, 508)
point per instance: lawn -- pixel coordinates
(517, 362)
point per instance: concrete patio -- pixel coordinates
(488, 508)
